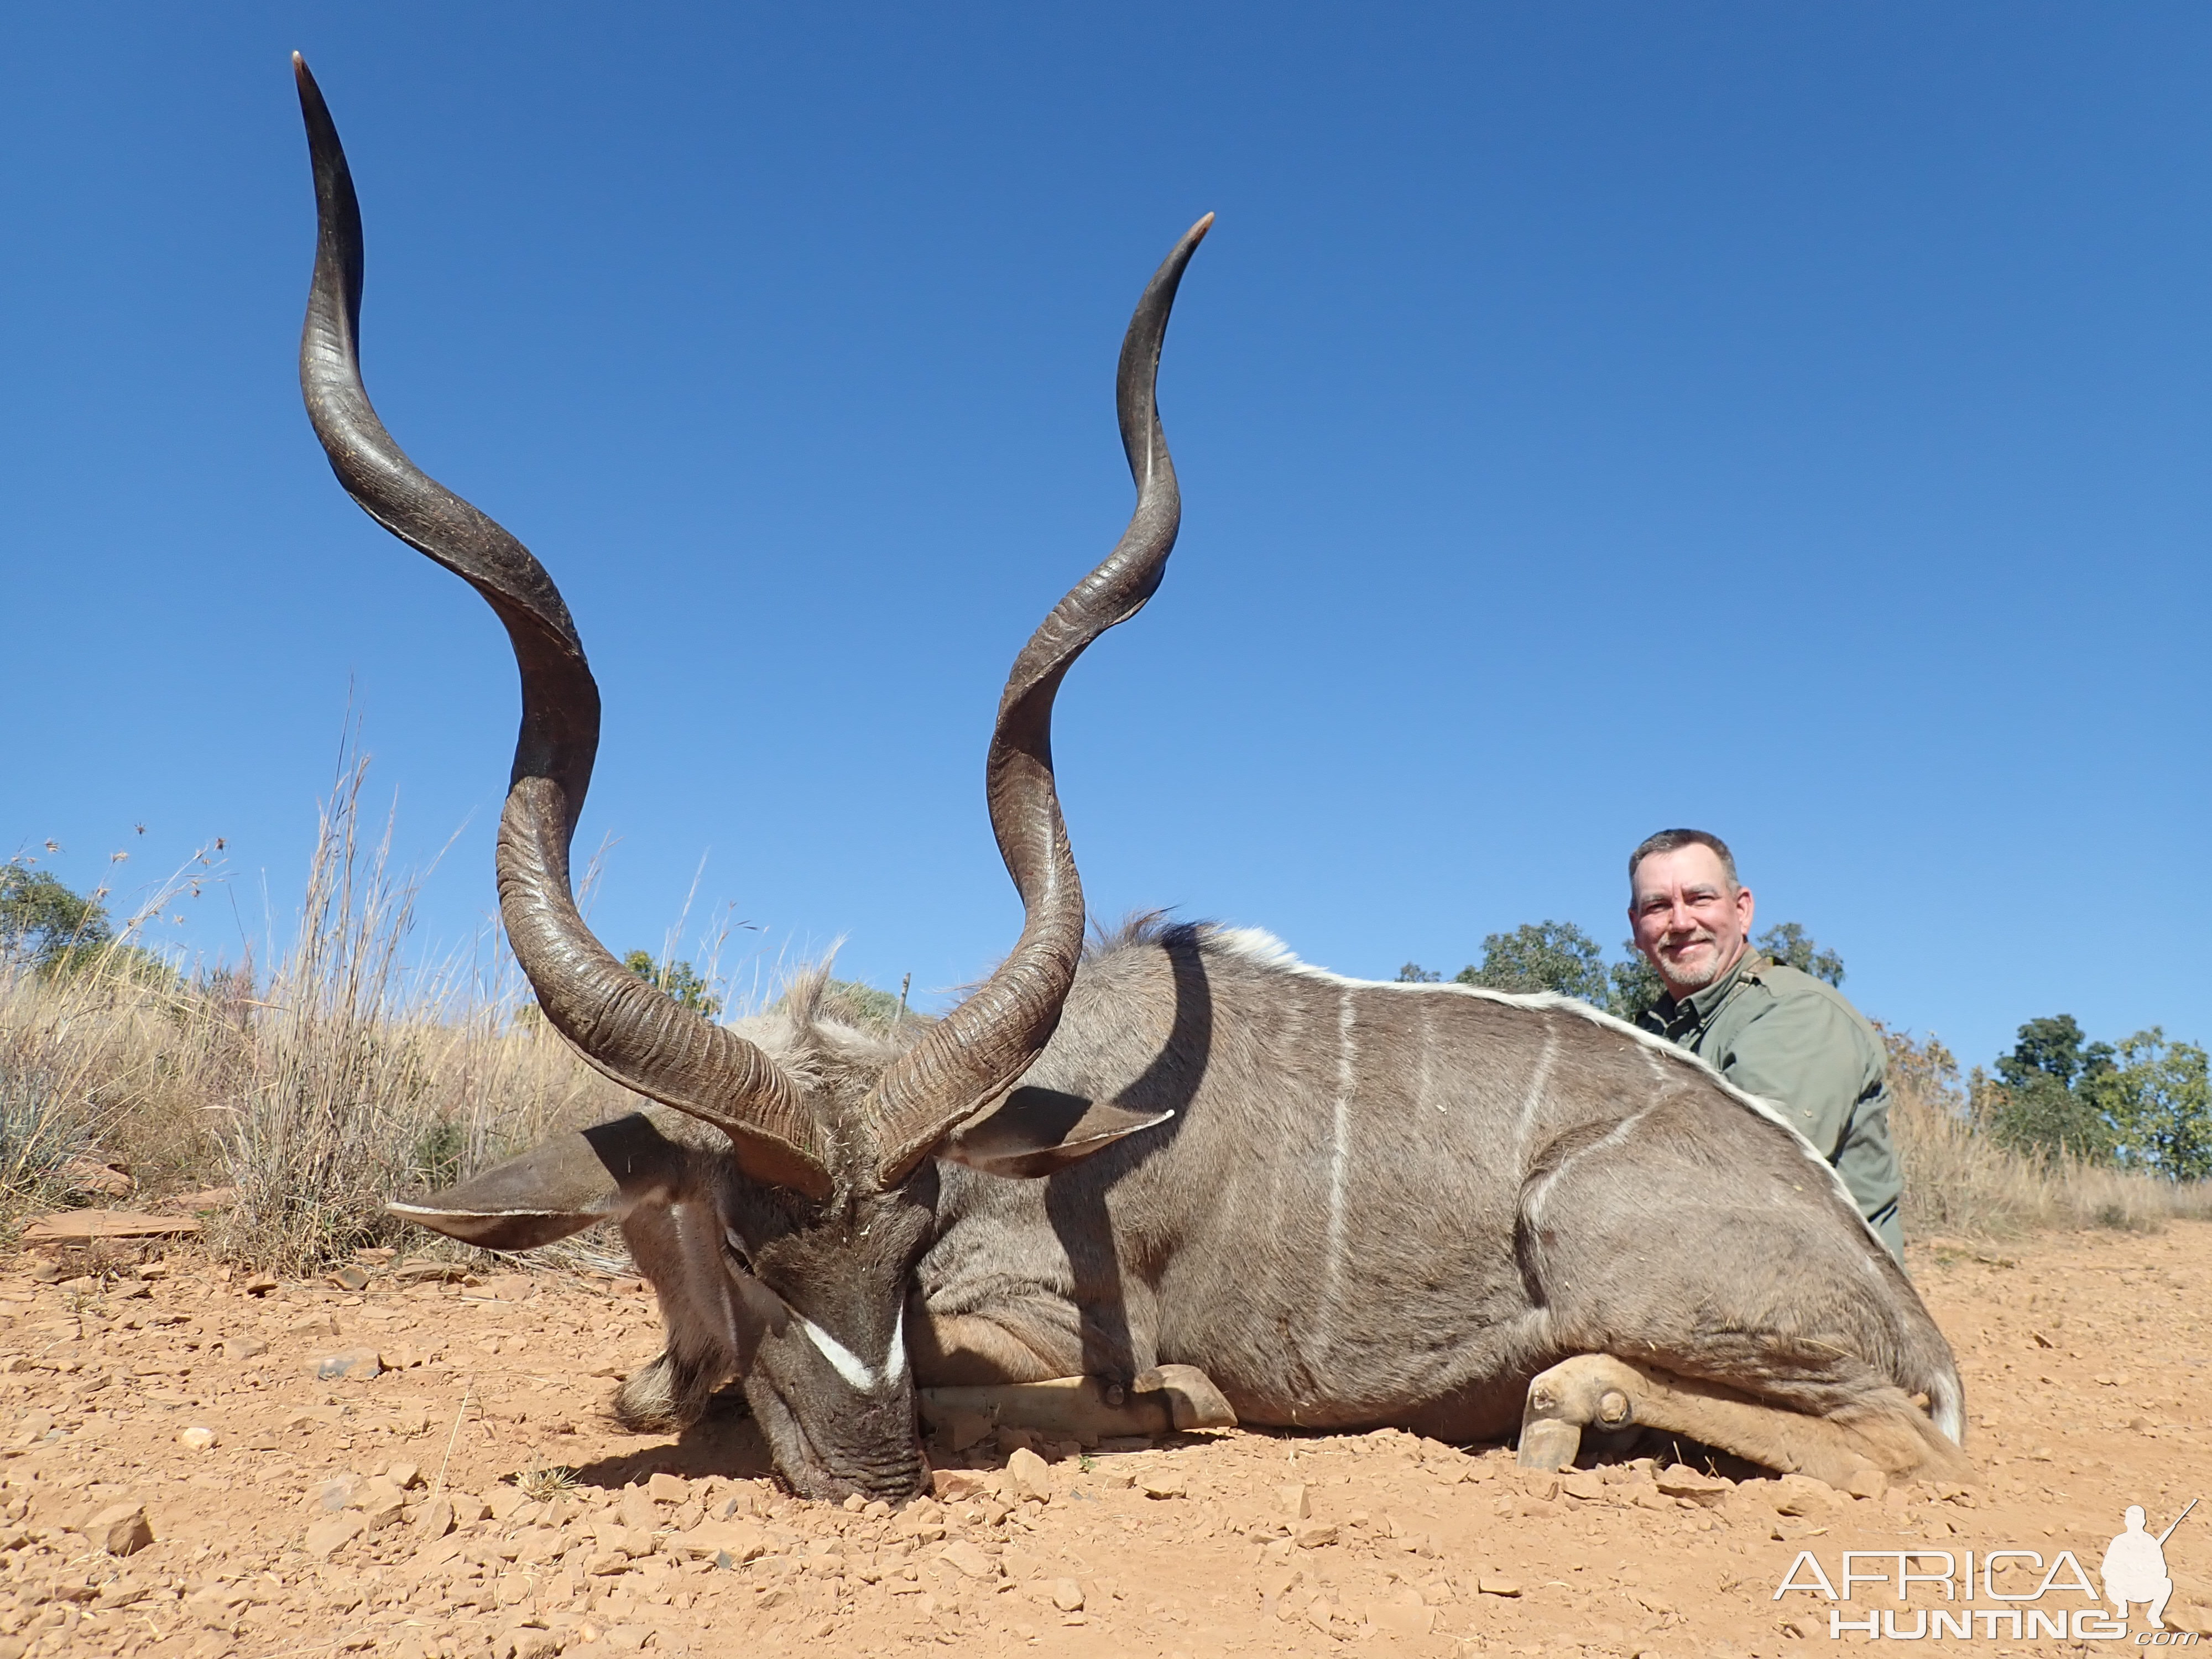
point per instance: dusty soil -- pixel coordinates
(384, 1513)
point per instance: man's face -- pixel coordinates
(1690, 921)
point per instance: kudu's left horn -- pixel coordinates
(980, 1050)
(625, 1027)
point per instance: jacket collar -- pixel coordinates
(1702, 1006)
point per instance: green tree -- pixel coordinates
(679, 978)
(2156, 1096)
(2052, 1047)
(2050, 1093)
(42, 918)
(1413, 974)
(2043, 1117)
(1789, 944)
(1636, 984)
(1542, 956)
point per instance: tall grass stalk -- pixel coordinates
(363, 1079)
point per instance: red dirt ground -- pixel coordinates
(2089, 1374)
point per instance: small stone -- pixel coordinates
(1868, 1482)
(853, 1503)
(314, 1324)
(405, 1476)
(504, 1499)
(956, 1486)
(325, 1538)
(1031, 1474)
(1488, 1586)
(197, 1438)
(1166, 1483)
(436, 1518)
(1068, 1595)
(379, 1502)
(120, 1529)
(1582, 1484)
(532, 1643)
(1294, 1503)
(970, 1559)
(350, 1278)
(636, 1507)
(1314, 1535)
(740, 1540)
(243, 1347)
(349, 1365)
(627, 1639)
(1683, 1481)
(1800, 1494)
(664, 1488)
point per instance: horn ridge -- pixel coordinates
(980, 1049)
(630, 1030)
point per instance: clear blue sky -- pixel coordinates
(1791, 421)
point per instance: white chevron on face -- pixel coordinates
(856, 1371)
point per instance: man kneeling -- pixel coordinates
(1770, 1030)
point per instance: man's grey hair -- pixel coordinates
(1672, 841)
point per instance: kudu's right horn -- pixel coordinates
(625, 1027)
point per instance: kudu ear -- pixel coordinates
(1035, 1131)
(561, 1188)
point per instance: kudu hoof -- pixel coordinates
(1591, 1390)
(1192, 1400)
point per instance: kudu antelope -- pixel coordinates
(1184, 1173)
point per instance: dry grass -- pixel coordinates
(341, 1080)
(1961, 1184)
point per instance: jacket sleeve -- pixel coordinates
(1805, 1056)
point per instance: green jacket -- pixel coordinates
(1792, 1040)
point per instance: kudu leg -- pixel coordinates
(1165, 1400)
(1596, 1389)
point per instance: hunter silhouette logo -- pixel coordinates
(2134, 1567)
(1993, 1595)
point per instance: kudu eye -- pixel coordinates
(736, 1248)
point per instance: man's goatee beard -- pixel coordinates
(1696, 979)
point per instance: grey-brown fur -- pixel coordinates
(1488, 1215)
(1375, 1205)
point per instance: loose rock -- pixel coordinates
(325, 1538)
(349, 1365)
(1683, 1481)
(1031, 1474)
(120, 1529)
(970, 1559)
